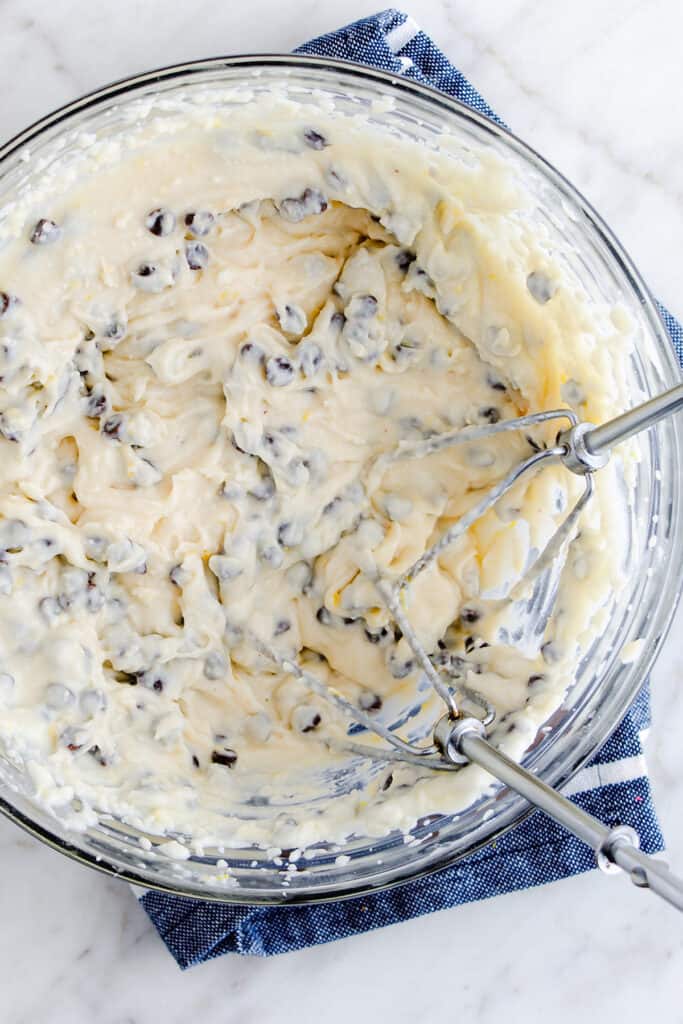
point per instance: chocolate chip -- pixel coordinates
(160, 222)
(96, 405)
(496, 384)
(300, 577)
(305, 718)
(226, 757)
(387, 782)
(7, 431)
(225, 567)
(550, 653)
(441, 658)
(400, 669)
(7, 301)
(406, 349)
(369, 701)
(541, 287)
(404, 258)
(195, 761)
(113, 427)
(323, 616)
(145, 277)
(292, 319)
(298, 471)
(270, 440)
(158, 685)
(199, 222)
(279, 371)
(177, 575)
(538, 677)
(470, 615)
(364, 306)
(197, 255)
(454, 664)
(469, 644)
(95, 752)
(115, 330)
(310, 358)
(271, 554)
(252, 353)
(315, 139)
(290, 534)
(45, 232)
(376, 638)
(310, 203)
(490, 414)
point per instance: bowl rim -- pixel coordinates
(518, 810)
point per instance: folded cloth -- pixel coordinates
(614, 787)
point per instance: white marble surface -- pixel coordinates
(596, 86)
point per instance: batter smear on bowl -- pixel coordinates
(208, 338)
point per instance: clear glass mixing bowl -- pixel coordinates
(604, 686)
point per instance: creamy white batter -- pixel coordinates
(207, 338)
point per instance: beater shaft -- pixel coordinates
(602, 438)
(614, 848)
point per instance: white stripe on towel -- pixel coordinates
(625, 770)
(401, 35)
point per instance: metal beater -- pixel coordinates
(460, 737)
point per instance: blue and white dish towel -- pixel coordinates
(614, 787)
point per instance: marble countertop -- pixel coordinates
(596, 87)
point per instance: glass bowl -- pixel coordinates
(604, 686)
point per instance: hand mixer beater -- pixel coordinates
(460, 737)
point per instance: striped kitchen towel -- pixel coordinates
(614, 787)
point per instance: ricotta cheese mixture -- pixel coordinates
(211, 329)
